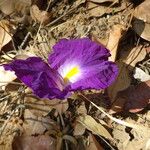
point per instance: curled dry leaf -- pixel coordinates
(141, 23)
(6, 31)
(43, 17)
(91, 124)
(6, 76)
(136, 98)
(41, 142)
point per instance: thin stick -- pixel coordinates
(134, 126)
(59, 18)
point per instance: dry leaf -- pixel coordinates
(133, 56)
(141, 23)
(142, 11)
(93, 144)
(9, 132)
(114, 37)
(93, 126)
(123, 137)
(139, 141)
(6, 30)
(41, 142)
(43, 17)
(128, 60)
(122, 82)
(102, 1)
(37, 125)
(23, 6)
(6, 76)
(101, 41)
(96, 10)
(136, 97)
(79, 129)
(7, 6)
(142, 29)
(82, 109)
(11, 6)
(120, 135)
(42, 107)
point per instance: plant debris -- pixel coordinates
(113, 117)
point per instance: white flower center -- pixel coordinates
(70, 73)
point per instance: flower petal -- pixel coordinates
(90, 58)
(36, 74)
(97, 77)
(83, 51)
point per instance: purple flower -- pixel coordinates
(76, 64)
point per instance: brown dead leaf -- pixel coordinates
(120, 135)
(101, 41)
(133, 56)
(6, 31)
(91, 124)
(128, 59)
(6, 76)
(142, 11)
(23, 6)
(123, 137)
(42, 107)
(114, 37)
(122, 82)
(103, 1)
(41, 142)
(43, 17)
(9, 132)
(37, 125)
(96, 10)
(7, 6)
(142, 29)
(136, 97)
(141, 23)
(11, 6)
(82, 109)
(93, 144)
(79, 129)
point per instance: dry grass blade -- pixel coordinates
(134, 126)
(91, 124)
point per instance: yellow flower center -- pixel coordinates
(71, 73)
